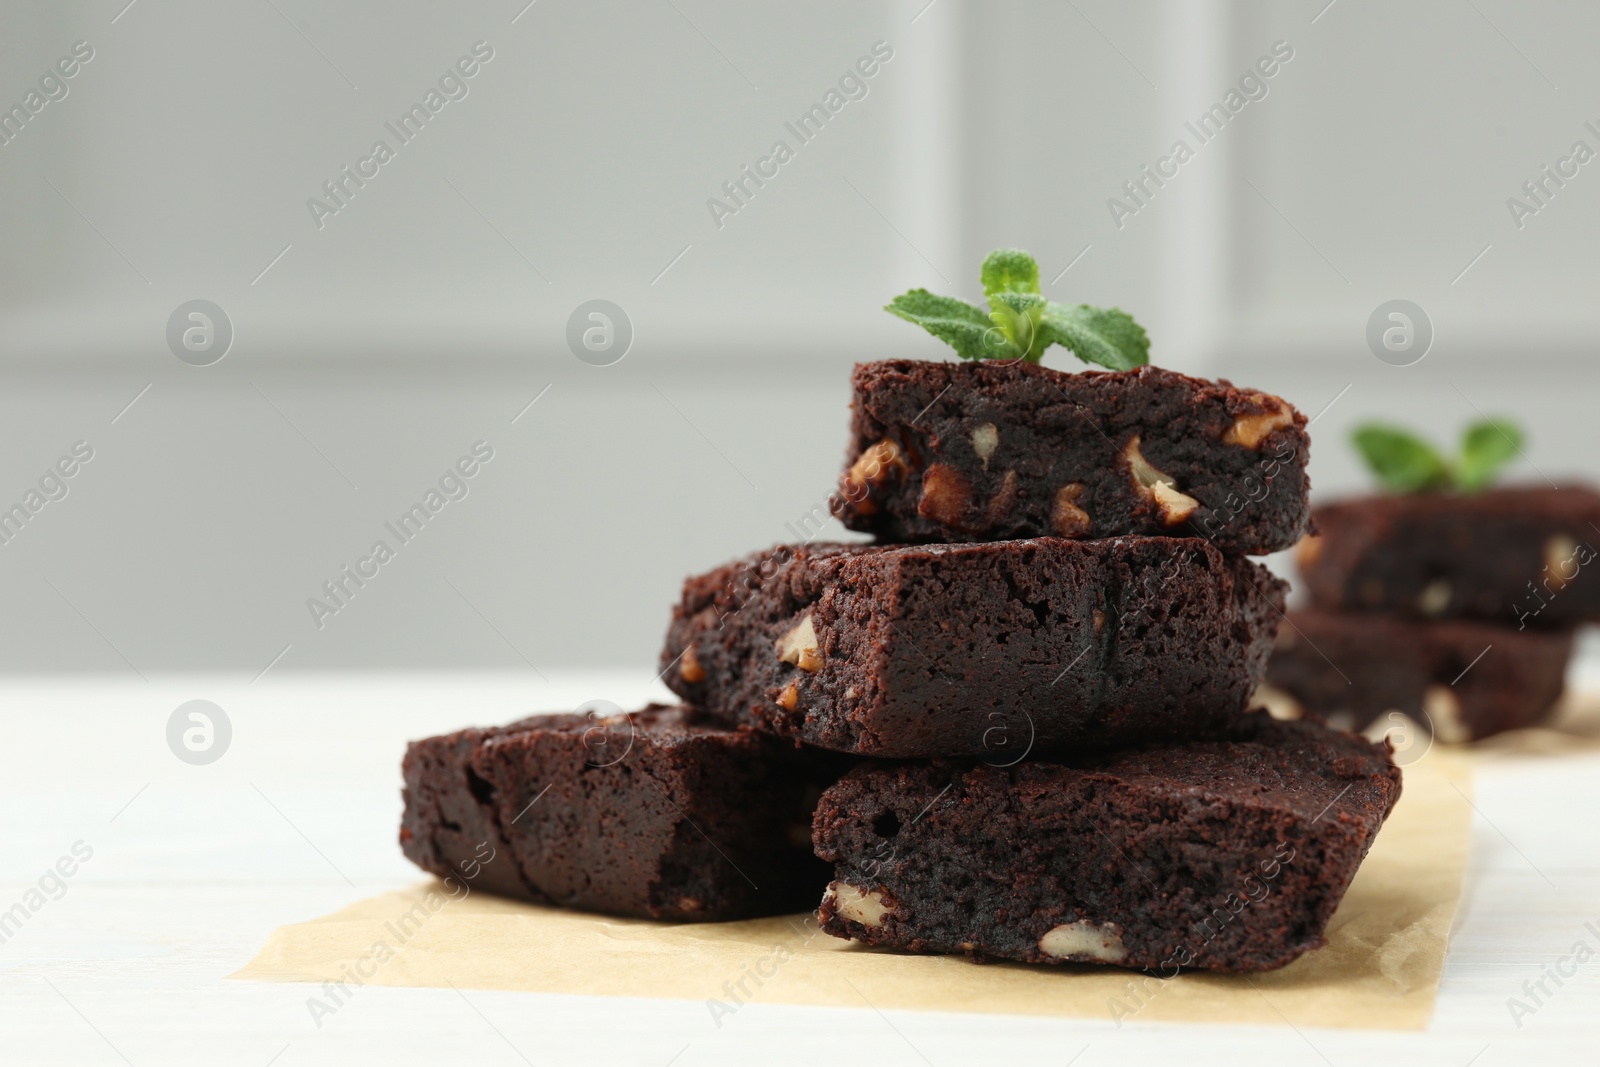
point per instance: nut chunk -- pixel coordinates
(799, 648)
(945, 494)
(1173, 505)
(967, 435)
(866, 907)
(661, 814)
(1229, 854)
(934, 650)
(689, 668)
(1068, 519)
(872, 468)
(1250, 430)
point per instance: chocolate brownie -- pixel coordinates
(1223, 855)
(1463, 680)
(1518, 555)
(660, 814)
(989, 649)
(983, 451)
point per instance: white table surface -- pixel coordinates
(193, 867)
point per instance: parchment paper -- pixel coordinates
(1380, 968)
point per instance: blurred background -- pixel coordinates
(374, 316)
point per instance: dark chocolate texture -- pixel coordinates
(1224, 855)
(660, 814)
(991, 649)
(976, 451)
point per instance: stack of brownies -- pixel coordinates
(1455, 609)
(1012, 726)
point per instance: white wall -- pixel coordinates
(424, 315)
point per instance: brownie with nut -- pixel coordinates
(660, 814)
(994, 649)
(1228, 854)
(1460, 679)
(976, 451)
(1520, 556)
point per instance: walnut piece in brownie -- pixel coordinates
(1463, 680)
(1521, 556)
(982, 451)
(660, 814)
(992, 649)
(1222, 855)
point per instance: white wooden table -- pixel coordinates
(192, 866)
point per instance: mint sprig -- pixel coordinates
(1405, 463)
(1021, 323)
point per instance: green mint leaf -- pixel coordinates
(1486, 447)
(1402, 462)
(967, 329)
(1021, 323)
(1105, 336)
(1009, 270)
(1016, 316)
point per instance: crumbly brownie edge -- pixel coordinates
(835, 645)
(449, 825)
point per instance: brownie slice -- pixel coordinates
(1519, 555)
(1223, 855)
(990, 649)
(984, 451)
(1463, 680)
(660, 814)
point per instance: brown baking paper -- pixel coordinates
(1380, 968)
